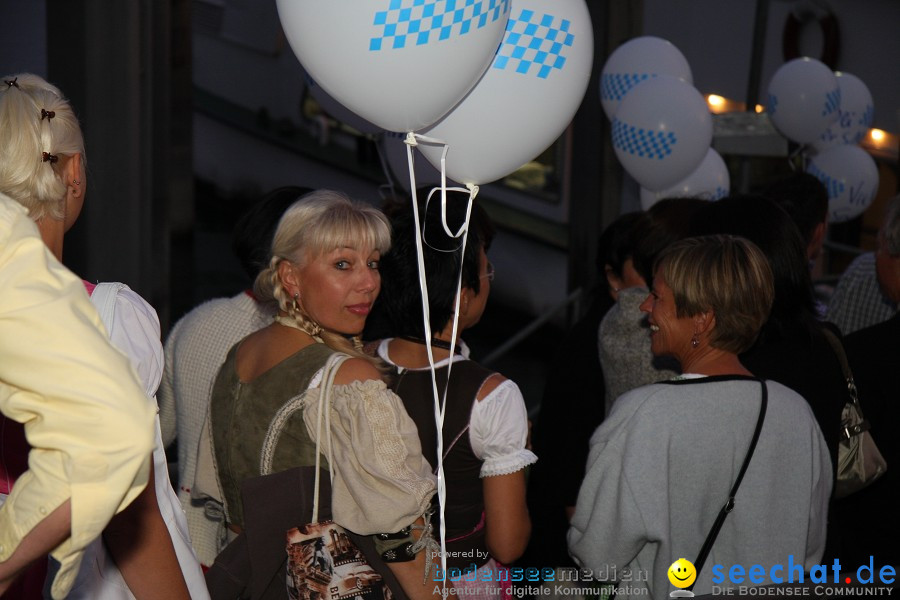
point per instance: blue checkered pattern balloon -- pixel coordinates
(614, 86)
(535, 40)
(661, 131)
(635, 61)
(398, 64)
(642, 142)
(525, 99)
(419, 22)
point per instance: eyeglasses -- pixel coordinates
(490, 272)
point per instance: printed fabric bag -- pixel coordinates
(859, 461)
(323, 562)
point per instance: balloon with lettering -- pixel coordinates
(399, 64)
(710, 181)
(661, 131)
(851, 177)
(855, 114)
(635, 61)
(526, 98)
(803, 100)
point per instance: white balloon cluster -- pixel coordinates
(661, 126)
(830, 113)
(496, 81)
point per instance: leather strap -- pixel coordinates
(847, 430)
(729, 505)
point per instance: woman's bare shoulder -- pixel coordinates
(356, 369)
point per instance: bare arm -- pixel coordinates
(506, 521)
(412, 577)
(44, 537)
(139, 542)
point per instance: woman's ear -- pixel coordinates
(614, 281)
(465, 295)
(705, 321)
(290, 281)
(73, 176)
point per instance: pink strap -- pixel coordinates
(477, 528)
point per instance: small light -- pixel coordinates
(715, 100)
(760, 108)
(877, 135)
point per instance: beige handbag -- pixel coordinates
(859, 461)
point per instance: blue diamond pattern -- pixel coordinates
(835, 188)
(832, 102)
(645, 143)
(420, 22)
(614, 86)
(534, 42)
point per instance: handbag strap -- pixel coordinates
(331, 368)
(848, 430)
(729, 504)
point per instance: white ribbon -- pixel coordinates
(440, 400)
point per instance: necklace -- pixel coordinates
(434, 342)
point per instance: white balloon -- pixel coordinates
(337, 110)
(855, 114)
(635, 61)
(661, 131)
(851, 177)
(803, 99)
(710, 181)
(393, 151)
(399, 64)
(525, 99)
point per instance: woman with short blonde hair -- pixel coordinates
(661, 465)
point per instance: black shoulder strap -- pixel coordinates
(729, 505)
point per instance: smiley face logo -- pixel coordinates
(682, 573)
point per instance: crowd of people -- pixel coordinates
(693, 413)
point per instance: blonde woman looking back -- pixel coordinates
(323, 275)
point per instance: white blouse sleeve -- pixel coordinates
(135, 332)
(498, 431)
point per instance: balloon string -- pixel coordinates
(412, 139)
(440, 400)
(439, 407)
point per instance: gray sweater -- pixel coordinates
(624, 347)
(662, 464)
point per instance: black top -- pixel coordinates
(868, 520)
(572, 407)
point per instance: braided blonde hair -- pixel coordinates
(315, 224)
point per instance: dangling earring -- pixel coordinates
(695, 341)
(295, 306)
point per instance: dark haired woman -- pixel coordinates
(486, 424)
